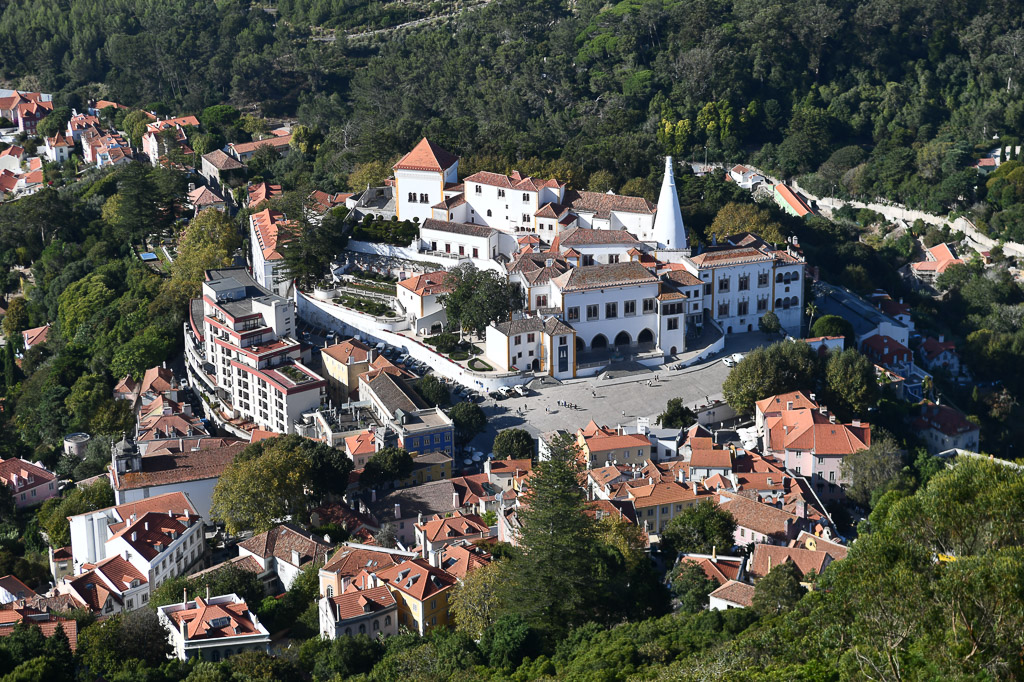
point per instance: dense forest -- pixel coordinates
(866, 99)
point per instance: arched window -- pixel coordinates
(778, 277)
(796, 276)
(376, 625)
(330, 591)
(778, 303)
(794, 301)
(387, 621)
(362, 629)
(348, 632)
(488, 213)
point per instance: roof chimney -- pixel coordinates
(398, 511)
(455, 500)
(296, 558)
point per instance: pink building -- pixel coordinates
(29, 483)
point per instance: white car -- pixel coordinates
(521, 389)
(732, 360)
(505, 391)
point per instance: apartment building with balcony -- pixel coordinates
(241, 353)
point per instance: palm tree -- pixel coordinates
(811, 311)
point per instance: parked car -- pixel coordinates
(521, 389)
(505, 391)
(732, 360)
(497, 395)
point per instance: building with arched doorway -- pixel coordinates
(533, 344)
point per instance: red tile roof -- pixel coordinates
(266, 224)
(602, 205)
(427, 284)
(766, 557)
(452, 527)
(719, 569)
(355, 603)
(353, 349)
(933, 348)
(885, 350)
(167, 468)
(736, 593)
(757, 516)
(776, 403)
(427, 156)
(281, 541)
(945, 419)
(278, 142)
(795, 201)
(348, 561)
(35, 335)
(262, 191)
(17, 588)
(237, 621)
(416, 578)
(21, 475)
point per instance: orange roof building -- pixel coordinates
(213, 628)
(600, 445)
(422, 592)
(372, 611)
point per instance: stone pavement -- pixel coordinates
(612, 401)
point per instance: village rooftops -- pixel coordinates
(427, 156)
(346, 352)
(287, 543)
(181, 467)
(525, 325)
(604, 275)
(351, 559)
(766, 557)
(436, 497)
(427, 284)
(262, 191)
(458, 228)
(602, 205)
(735, 592)
(582, 236)
(441, 528)
(757, 516)
(786, 401)
(356, 603)
(223, 617)
(417, 578)
(276, 142)
(943, 418)
(515, 181)
(221, 161)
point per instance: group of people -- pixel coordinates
(563, 403)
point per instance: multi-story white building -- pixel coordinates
(160, 536)
(620, 306)
(214, 628)
(747, 278)
(242, 348)
(155, 145)
(267, 232)
(419, 297)
(421, 177)
(463, 241)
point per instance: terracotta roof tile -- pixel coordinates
(427, 156)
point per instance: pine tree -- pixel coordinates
(553, 581)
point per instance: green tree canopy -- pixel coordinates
(780, 590)
(691, 586)
(468, 420)
(385, 467)
(513, 444)
(53, 515)
(767, 371)
(850, 382)
(479, 297)
(700, 529)
(676, 415)
(833, 325)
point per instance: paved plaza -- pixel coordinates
(606, 400)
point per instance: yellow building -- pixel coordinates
(343, 363)
(421, 591)
(601, 444)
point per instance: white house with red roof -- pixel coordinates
(268, 230)
(747, 278)
(420, 180)
(58, 148)
(419, 297)
(162, 537)
(35, 336)
(107, 587)
(372, 612)
(30, 484)
(279, 142)
(12, 589)
(938, 353)
(937, 260)
(213, 629)
(943, 428)
(10, 159)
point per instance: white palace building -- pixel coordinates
(604, 275)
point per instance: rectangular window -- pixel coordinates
(762, 305)
(611, 310)
(517, 340)
(614, 258)
(832, 476)
(479, 189)
(526, 218)
(673, 324)
(476, 252)
(707, 289)
(573, 314)
(723, 285)
(501, 192)
(742, 307)
(762, 279)
(530, 338)
(588, 259)
(462, 250)
(744, 282)
(412, 197)
(592, 312)
(723, 309)
(542, 301)
(649, 305)
(526, 196)
(629, 308)
(424, 199)
(563, 341)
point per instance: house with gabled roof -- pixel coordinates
(352, 559)
(938, 353)
(280, 144)
(30, 484)
(11, 615)
(435, 533)
(731, 595)
(214, 628)
(420, 178)
(11, 158)
(937, 260)
(419, 297)
(943, 427)
(285, 550)
(422, 591)
(719, 568)
(758, 522)
(107, 587)
(602, 445)
(372, 612)
(12, 589)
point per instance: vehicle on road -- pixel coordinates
(521, 389)
(732, 360)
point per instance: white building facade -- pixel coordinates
(420, 180)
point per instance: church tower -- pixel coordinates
(669, 232)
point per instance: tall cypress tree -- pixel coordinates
(553, 583)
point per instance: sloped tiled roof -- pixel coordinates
(279, 542)
(757, 516)
(238, 620)
(602, 205)
(352, 348)
(766, 557)
(604, 275)
(452, 527)
(208, 461)
(736, 593)
(458, 228)
(427, 284)
(417, 578)
(427, 156)
(356, 603)
(582, 236)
